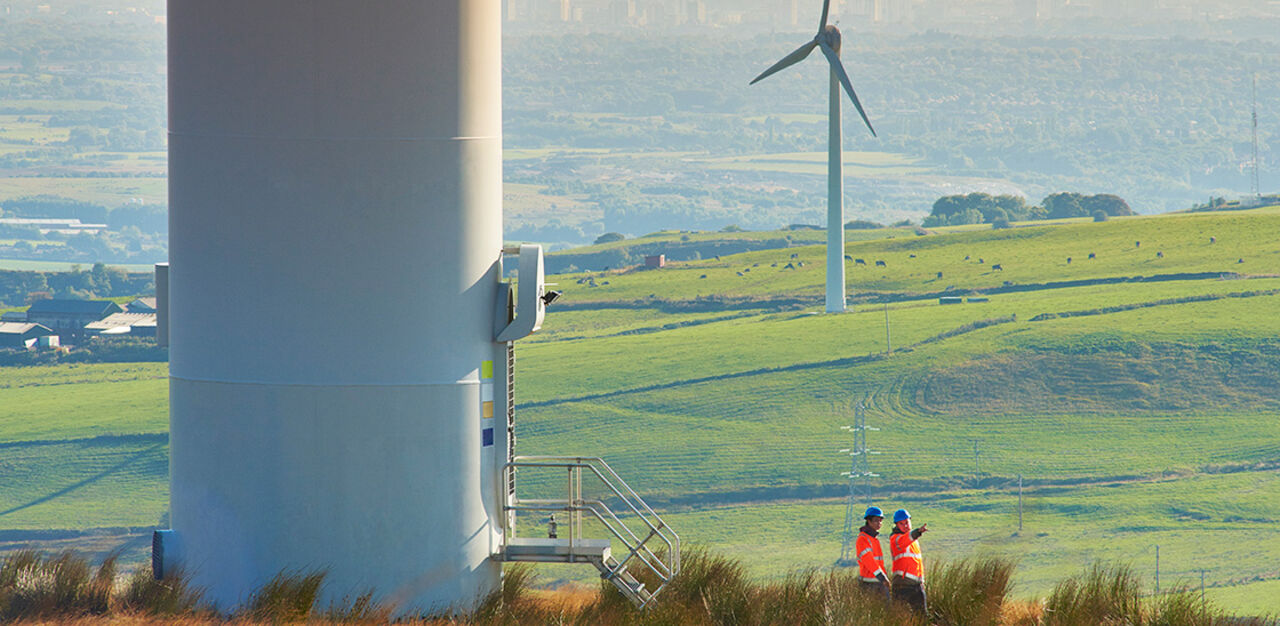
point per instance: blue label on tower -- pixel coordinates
(486, 437)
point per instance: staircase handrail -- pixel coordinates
(664, 569)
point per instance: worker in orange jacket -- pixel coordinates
(908, 564)
(870, 557)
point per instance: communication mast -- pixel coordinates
(859, 472)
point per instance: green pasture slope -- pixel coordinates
(1139, 412)
(83, 446)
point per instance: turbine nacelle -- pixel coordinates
(828, 40)
(829, 35)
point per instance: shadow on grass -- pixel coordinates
(128, 462)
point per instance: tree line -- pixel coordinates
(1000, 210)
(19, 288)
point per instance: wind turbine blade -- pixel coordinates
(826, 10)
(787, 61)
(838, 68)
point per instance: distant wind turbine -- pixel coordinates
(828, 39)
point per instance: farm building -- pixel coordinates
(124, 324)
(70, 316)
(16, 335)
(54, 225)
(14, 316)
(141, 305)
(655, 261)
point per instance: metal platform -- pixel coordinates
(652, 544)
(557, 550)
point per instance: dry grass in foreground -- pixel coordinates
(711, 590)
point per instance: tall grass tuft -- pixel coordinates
(797, 599)
(969, 592)
(1106, 594)
(35, 587)
(713, 590)
(98, 593)
(1026, 613)
(173, 595)
(1180, 607)
(846, 602)
(289, 597)
(363, 609)
(512, 604)
(715, 587)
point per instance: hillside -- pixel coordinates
(1136, 394)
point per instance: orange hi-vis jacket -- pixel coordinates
(870, 558)
(907, 561)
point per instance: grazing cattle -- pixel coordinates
(912, 256)
(717, 257)
(773, 265)
(859, 262)
(1008, 283)
(794, 256)
(755, 265)
(1240, 261)
(1213, 240)
(997, 267)
(1092, 255)
(605, 282)
(880, 263)
(848, 258)
(789, 266)
(740, 273)
(939, 275)
(703, 276)
(1137, 244)
(1159, 255)
(966, 257)
(982, 261)
(1068, 260)
(747, 269)
(800, 263)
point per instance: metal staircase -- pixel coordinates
(651, 548)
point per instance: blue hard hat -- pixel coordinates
(873, 511)
(900, 515)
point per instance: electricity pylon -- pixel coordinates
(858, 474)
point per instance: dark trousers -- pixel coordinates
(876, 589)
(911, 593)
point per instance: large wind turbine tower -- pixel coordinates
(334, 296)
(828, 40)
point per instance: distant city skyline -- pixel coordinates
(925, 13)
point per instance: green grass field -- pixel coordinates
(1028, 254)
(1140, 413)
(109, 192)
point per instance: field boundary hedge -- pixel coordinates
(795, 367)
(704, 304)
(1155, 303)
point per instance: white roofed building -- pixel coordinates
(124, 324)
(22, 335)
